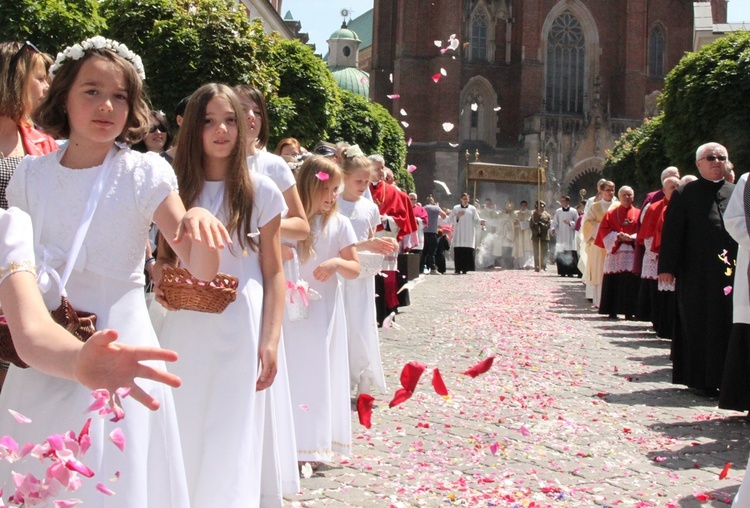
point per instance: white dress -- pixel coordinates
(280, 471)
(317, 358)
(365, 365)
(107, 280)
(220, 414)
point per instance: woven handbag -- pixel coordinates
(80, 324)
(182, 291)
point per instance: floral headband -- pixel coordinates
(353, 151)
(76, 52)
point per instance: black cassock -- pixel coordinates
(693, 242)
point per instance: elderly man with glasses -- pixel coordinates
(698, 254)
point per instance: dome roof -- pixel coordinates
(344, 33)
(352, 79)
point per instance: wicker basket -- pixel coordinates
(185, 292)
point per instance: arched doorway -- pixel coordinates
(586, 181)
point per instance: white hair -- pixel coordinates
(687, 179)
(670, 171)
(706, 146)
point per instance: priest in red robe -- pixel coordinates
(617, 235)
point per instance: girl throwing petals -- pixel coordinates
(95, 100)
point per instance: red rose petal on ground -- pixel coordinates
(364, 409)
(438, 384)
(725, 471)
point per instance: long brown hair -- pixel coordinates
(189, 162)
(257, 97)
(309, 185)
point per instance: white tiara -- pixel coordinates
(76, 52)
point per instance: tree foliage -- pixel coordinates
(186, 44)
(314, 93)
(638, 157)
(706, 99)
(50, 25)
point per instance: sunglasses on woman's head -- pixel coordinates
(14, 60)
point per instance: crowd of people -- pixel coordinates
(321, 245)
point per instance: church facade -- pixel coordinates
(560, 78)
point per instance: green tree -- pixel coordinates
(50, 25)
(305, 80)
(185, 44)
(372, 127)
(706, 99)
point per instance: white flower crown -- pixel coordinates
(353, 151)
(76, 52)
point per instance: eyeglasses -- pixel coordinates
(712, 158)
(14, 60)
(155, 128)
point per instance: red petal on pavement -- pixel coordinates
(438, 384)
(480, 368)
(401, 395)
(364, 409)
(725, 471)
(410, 375)
(702, 497)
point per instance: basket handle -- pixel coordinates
(295, 265)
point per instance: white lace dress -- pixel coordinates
(221, 416)
(107, 280)
(365, 364)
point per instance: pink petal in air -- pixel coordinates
(411, 168)
(394, 96)
(727, 290)
(67, 503)
(79, 467)
(304, 407)
(19, 417)
(123, 392)
(322, 176)
(408, 143)
(104, 490)
(118, 438)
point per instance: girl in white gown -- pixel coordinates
(94, 100)
(227, 360)
(316, 347)
(280, 473)
(365, 366)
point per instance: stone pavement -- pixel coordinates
(577, 409)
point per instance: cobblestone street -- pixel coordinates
(577, 409)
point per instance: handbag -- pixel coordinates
(298, 293)
(81, 325)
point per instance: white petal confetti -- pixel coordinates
(447, 126)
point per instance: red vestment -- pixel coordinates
(395, 204)
(620, 220)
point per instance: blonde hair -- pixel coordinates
(351, 165)
(15, 99)
(309, 185)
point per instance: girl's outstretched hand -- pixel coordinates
(105, 363)
(199, 225)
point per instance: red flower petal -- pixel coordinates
(410, 375)
(436, 77)
(480, 368)
(401, 395)
(364, 409)
(438, 384)
(725, 471)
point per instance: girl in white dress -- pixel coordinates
(100, 362)
(227, 360)
(94, 100)
(280, 473)
(365, 366)
(316, 347)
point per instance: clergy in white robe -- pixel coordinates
(465, 219)
(563, 228)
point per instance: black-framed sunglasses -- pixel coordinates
(712, 158)
(155, 128)
(15, 58)
(325, 151)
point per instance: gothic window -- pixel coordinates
(565, 65)
(656, 44)
(474, 118)
(479, 35)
